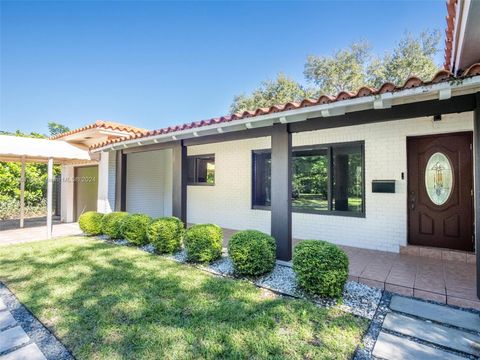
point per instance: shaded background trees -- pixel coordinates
(35, 180)
(347, 70)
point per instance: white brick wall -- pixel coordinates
(228, 203)
(146, 182)
(384, 227)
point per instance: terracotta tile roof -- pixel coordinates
(449, 33)
(411, 82)
(108, 125)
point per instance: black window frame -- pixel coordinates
(328, 147)
(196, 182)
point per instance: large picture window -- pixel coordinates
(325, 179)
(201, 170)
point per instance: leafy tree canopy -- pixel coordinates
(56, 128)
(272, 92)
(349, 69)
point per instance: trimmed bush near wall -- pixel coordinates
(112, 224)
(90, 223)
(134, 228)
(321, 268)
(252, 252)
(166, 234)
(203, 242)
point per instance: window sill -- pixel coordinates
(316, 212)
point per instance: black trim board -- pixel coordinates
(453, 105)
(281, 202)
(476, 171)
(121, 181)
(179, 185)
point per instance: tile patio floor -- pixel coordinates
(444, 281)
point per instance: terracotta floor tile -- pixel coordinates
(429, 296)
(402, 290)
(451, 300)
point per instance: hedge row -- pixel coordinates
(321, 268)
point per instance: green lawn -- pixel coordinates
(106, 302)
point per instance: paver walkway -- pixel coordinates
(15, 344)
(22, 336)
(36, 233)
(415, 329)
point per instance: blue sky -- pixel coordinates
(153, 64)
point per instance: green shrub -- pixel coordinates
(166, 234)
(90, 223)
(112, 224)
(203, 242)
(321, 268)
(134, 228)
(252, 252)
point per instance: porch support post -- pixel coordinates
(179, 181)
(49, 197)
(476, 159)
(281, 198)
(22, 192)
(121, 181)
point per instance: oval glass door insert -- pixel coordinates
(439, 178)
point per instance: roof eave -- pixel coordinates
(440, 91)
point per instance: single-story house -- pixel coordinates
(380, 169)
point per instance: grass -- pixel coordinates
(107, 302)
(317, 203)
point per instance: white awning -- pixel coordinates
(14, 148)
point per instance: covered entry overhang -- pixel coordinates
(414, 100)
(23, 150)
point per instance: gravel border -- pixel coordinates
(48, 344)
(358, 299)
(365, 349)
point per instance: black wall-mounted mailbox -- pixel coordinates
(383, 186)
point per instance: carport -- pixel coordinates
(23, 150)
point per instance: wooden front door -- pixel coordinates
(440, 195)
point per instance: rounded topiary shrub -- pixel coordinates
(134, 228)
(203, 242)
(321, 268)
(252, 252)
(90, 223)
(166, 234)
(112, 224)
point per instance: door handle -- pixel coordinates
(413, 200)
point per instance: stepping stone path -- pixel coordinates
(415, 329)
(15, 344)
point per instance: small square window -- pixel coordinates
(201, 170)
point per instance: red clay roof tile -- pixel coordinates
(411, 82)
(110, 125)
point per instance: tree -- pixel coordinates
(56, 128)
(411, 56)
(271, 92)
(344, 71)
